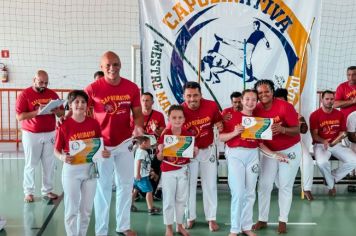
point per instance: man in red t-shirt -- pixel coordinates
(200, 117)
(112, 98)
(38, 133)
(345, 96)
(326, 125)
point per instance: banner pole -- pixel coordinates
(244, 65)
(199, 60)
(300, 107)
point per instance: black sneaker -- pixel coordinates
(158, 195)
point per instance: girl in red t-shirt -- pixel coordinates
(243, 165)
(79, 184)
(174, 175)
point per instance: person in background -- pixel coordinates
(98, 75)
(38, 133)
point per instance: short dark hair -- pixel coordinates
(281, 93)
(257, 23)
(351, 68)
(235, 95)
(327, 92)
(265, 82)
(192, 85)
(175, 107)
(141, 139)
(249, 91)
(147, 94)
(98, 73)
(72, 95)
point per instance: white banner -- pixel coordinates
(278, 38)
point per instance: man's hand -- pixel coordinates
(220, 126)
(106, 153)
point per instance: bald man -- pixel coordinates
(112, 98)
(38, 133)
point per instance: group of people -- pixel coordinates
(115, 102)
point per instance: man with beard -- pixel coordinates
(326, 126)
(38, 133)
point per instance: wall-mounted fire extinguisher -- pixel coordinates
(4, 73)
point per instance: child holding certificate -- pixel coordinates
(243, 165)
(174, 175)
(79, 186)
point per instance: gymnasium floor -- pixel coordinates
(323, 216)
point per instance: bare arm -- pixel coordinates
(277, 128)
(344, 103)
(271, 154)
(138, 170)
(160, 152)
(224, 137)
(27, 115)
(318, 139)
(138, 120)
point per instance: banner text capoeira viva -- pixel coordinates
(277, 36)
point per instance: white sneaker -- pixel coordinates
(2, 223)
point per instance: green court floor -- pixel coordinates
(323, 216)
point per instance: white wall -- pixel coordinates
(67, 37)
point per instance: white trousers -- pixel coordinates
(38, 147)
(243, 169)
(121, 162)
(307, 168)
(79, 191)
(285, 174)
(206, 163)
(175, 195)
(344, 154)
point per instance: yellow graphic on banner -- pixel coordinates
(178, 146)
(86, 150)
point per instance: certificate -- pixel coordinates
(178, 146)
(257, 128)
(86, 150)
(53, 104)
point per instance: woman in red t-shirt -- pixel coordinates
(174, 177)
(243, 165)
(78, 175)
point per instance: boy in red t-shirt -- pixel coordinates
(175, 182)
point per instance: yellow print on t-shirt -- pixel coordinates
(351, 94)
(82, 135)
(41, 101)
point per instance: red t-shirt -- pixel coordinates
(345, 91)
(200, 122)
(30, 100)
(284, 112)
(229, 126)
(72, 130)
(157, 118)
(112, 106)
(174, 160)
(329, 125)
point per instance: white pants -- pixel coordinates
(79, 191)
(286, 172)
(307, 168)
(122, 162)
(207, 163)
(243, 171)
(344, 154)
(175, 195)
(38, 147)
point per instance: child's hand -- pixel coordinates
(238, 129)
(138, 176)
(66, 158)
(282, 157)
(106, 153)
(195, 151)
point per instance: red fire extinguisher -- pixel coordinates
(4, 73)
